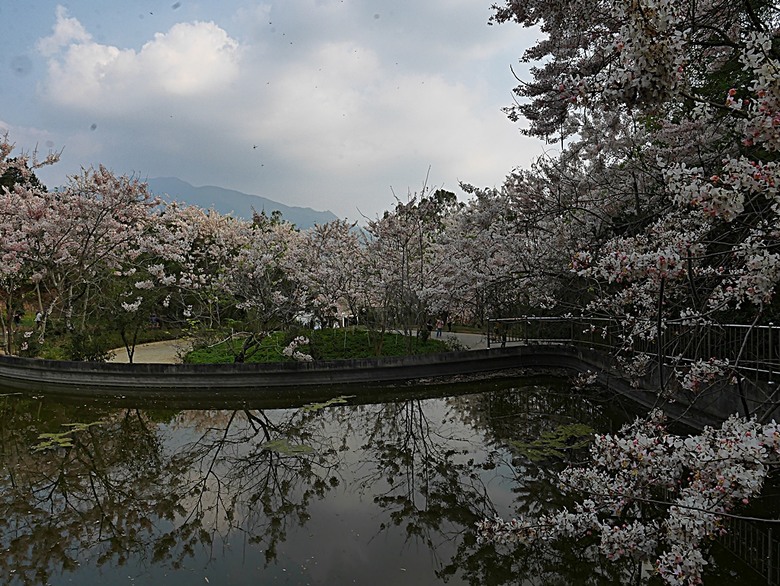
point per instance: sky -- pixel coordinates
(340, 105)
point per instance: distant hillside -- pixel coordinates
(235, 203)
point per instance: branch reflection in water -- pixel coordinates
(335, 493)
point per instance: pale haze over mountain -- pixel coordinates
(235, 203)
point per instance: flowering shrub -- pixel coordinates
(291, 350)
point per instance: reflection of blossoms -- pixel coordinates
(705, 476)
(584, 379)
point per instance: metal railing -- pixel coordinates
(753, 350)
(756, 545)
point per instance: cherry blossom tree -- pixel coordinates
(260, 277)
(190, 253)
(15, 273)
(518, 240)
(327, 259)
(21, 197)
(405, 269)
(665, 198)
(217, 270)
(21, 168)
(667, 116)
(81, 237)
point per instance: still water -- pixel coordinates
(339, 493)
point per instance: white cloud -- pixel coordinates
(66, 31)
(191, 59)
(79, 80)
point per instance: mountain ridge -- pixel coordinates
(234, 202)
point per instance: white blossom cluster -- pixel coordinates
(653, 496)
(703, 373)
(291, 350)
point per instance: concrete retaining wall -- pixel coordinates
(53, 376)
(300, 382)
(104, 378)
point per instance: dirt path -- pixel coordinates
(164, 352)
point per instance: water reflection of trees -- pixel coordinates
(118, 492)
(421, 472)
(151, 487)
(98, 494)
(433, 482)
(272, 487)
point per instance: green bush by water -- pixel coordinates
(325, 344)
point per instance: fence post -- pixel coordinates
(770, 572)
(771, 351)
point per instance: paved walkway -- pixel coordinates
(468, 341)
(164, 352)
(169, 351)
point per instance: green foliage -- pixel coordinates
(325, 344)
(340, 400)
(334, 344)
(95, 344)
(64, 439)
(15, 176)
(268, 349)
(88, 345)
(557, 444)
(285, 448)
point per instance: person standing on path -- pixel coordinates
(439, 326)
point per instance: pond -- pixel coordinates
(332, 493)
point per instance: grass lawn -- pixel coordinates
(327, 344)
